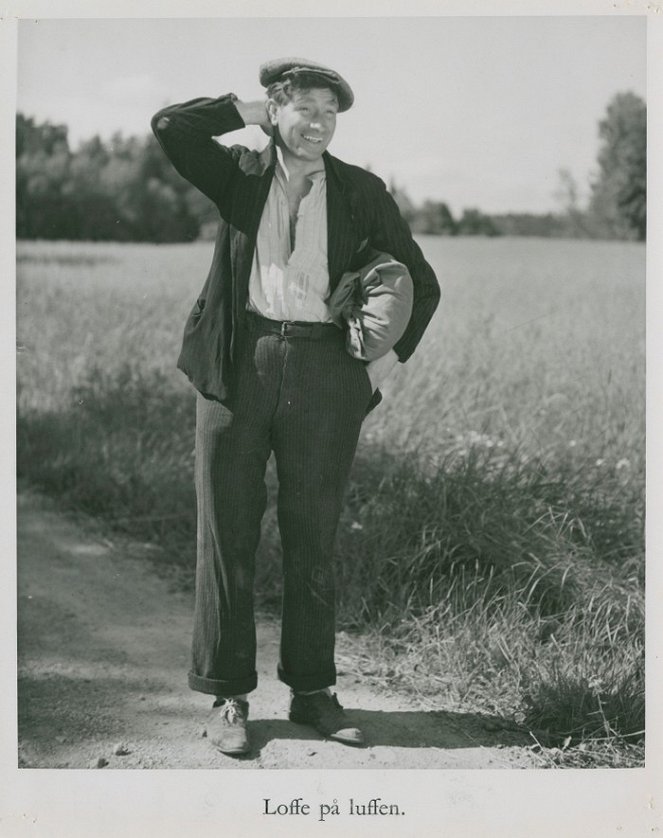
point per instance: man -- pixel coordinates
(272, 374)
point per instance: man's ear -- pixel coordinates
(272, 111)
(268, 126)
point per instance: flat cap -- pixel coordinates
(280, 69)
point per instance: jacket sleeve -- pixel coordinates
(391, 234)
(185, 134)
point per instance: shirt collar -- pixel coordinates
(282, 169)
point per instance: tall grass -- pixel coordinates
(491, 546)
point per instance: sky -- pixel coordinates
(474, 111)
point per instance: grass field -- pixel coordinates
(491, 551)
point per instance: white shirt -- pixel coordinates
(288, 284)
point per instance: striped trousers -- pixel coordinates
(304, 398)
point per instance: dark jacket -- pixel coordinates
(360, 212)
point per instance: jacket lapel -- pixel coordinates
(259, 172)
(341, 233)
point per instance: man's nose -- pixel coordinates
(316, 125)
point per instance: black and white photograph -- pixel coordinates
(330, 453)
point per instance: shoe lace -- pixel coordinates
(231, 710)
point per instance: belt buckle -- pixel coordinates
(284, 328)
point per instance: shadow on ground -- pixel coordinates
(403, 729)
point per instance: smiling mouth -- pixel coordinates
(312, 139)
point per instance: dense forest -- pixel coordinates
(125, 189)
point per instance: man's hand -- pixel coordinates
(379, 369)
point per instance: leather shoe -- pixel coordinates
(323, 711)
(226, 726)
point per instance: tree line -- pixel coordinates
(121, 190)
(125, 189)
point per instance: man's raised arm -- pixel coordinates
(185, 134)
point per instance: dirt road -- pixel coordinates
(103, 655)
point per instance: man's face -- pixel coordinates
(306, 123)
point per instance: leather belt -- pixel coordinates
(294, 329)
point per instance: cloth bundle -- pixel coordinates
(374, 303)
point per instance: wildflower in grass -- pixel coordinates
(572, 443)
(623, 463)
(600, 462)
(474, 438)
(595, 685)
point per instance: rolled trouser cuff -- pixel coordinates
(307, 683)
(221, 687)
